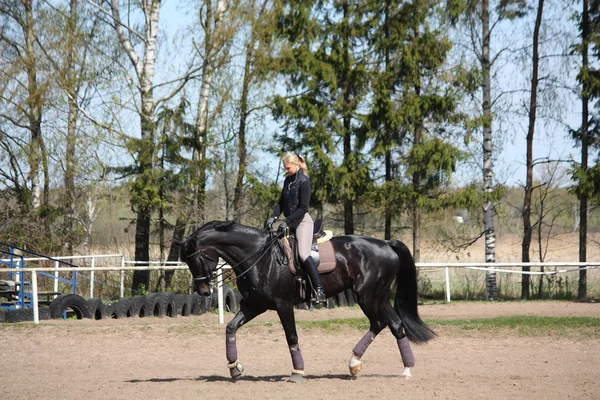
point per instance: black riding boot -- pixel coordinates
(310, 267)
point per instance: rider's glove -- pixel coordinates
(283, 227)
(269, 223)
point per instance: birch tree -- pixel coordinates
(527, 227)
(22, 94)
(482, 19)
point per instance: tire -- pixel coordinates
(341, 300)
(73, 302)
(19, 315)
(155, 306)
(169, 304)
(97, 308)
(111, 310)
(139, 306)
(125, 308)
(2, 315)
(24, 315)
(229, 300)
(44, 313)
(350, 297)
(330, 303)
(198, 304)
(184, 304)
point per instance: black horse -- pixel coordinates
(368, 266)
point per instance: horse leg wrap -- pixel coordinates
(231, 347)
(236, 369)
(363, 344)
(406, 352)
(297, 360)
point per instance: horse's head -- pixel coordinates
(233, 242)
(201, 257)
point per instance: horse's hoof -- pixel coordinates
(297, 377)
(354, 370)
(406, 374)
(236, 369)
(354, 365)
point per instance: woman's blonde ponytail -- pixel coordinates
(293, 158)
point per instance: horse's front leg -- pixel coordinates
(286, 316)
(246, 313)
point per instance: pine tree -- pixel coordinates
(324, 63)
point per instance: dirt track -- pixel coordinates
(184, 358)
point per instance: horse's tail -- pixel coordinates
(405, 302)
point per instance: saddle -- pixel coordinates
(321, 252)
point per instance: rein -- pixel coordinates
(263, 249)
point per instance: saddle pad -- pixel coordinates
(326, 256)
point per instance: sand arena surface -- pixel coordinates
(184, 358)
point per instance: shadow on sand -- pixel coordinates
(250, 378)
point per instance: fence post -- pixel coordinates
(220, 294)
(34, 297)
(92, 278)
(56, 264)
(447, 284)
(122, 276)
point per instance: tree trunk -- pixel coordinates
(349, 158)
(34, 100)
(178, 236)
(145, 73)
(45, 203)
(583, 199)
(527, 229)
(238, 194)
(388, 179)
(488, 183)
(69, 178)
(416, 183)
(211, 49)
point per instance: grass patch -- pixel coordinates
(335, 324)
(568, 327)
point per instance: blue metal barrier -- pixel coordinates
(16, 267)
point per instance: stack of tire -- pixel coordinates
(346, 298)
(160, 305)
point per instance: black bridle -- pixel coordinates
(204, 257)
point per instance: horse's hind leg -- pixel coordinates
(376, 325)
(286, 316)
(397, 328)
(246, 313)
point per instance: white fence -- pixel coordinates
(57, 269)
(496, 267)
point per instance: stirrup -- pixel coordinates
(320, 297)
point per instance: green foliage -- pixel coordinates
(267, 195)
(327, 78)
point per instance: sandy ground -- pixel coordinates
(184, 358)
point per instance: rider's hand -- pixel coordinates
(283, 227)
(269, 223)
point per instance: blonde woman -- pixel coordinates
(293, 202)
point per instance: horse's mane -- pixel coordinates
(223, 226)
(226, 226)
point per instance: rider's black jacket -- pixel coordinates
(294, 199)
